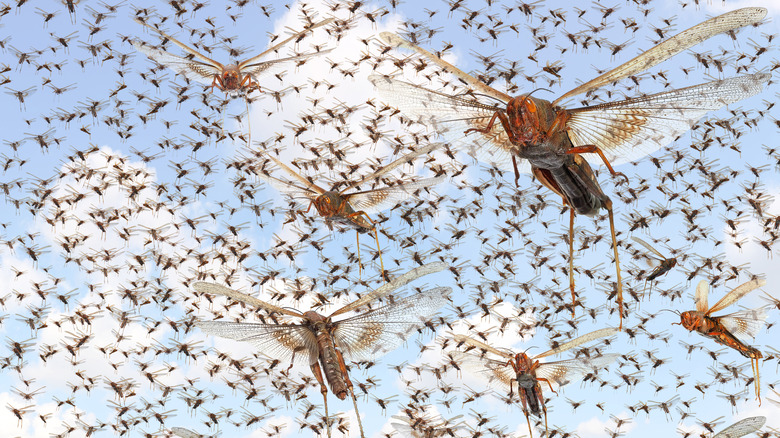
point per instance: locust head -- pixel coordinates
(524, 119)
(692, 320)
(328, 204)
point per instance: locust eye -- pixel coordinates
(530, 105)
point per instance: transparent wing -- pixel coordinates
(217, 289)
(674, 45)
(395, 283)
(396, 41)
(744, 324)
(482, 346)
(182, 432)
(278, 341)
(702, 290)
(648, 247)
(565, 371)
(579, 341)
(255, 60)
(384, 170)
(490, 369)
(288, 187)
(305, 183)
(194, 70)
(630, 129)
(742, 428)
(451, 116)
(373, 201)
(737, 293)
(259, 69)
(382, 330)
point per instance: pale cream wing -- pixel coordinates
(736, 293)
(674, 45)
(277, 341)
(742, 428)
(702, 291)
(744, 324)
(374, 201)
(217, 289)
(191, 69)
(588, 337)
(633, 128)
(381, 330)
(565, 371)
(451, 117)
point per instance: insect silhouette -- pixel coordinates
(742, 428)
(526, 372)
(352, 209)
(236, 80)
(728, 329)
(554, 143)
(324, 342)
(665, 266)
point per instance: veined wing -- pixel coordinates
(395, 283)
(648, 247)
(491, 369)
(309, 186)
(191, 69)
(735, 294)
(630, 129)
(372, 201)
(702, 290)
(485, 348)
(383, 329)
(384, 170)
(564, 371)
(246, 65)
(744, 324)
(217, 289)
(258, 69)
(602, 333)
(396, 41)
(742, 428)
(451, 116)
(674, 45)
(278, 341)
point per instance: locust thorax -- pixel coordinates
(692, 320)
(315, 319)
(231, 78)
(525, 119)
(328, 204)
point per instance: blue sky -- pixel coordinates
(132, 208)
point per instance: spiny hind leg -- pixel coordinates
(343, 369)
(365, 215)
(571, 261)
(608, 206)
(317, 371)
(595, 149)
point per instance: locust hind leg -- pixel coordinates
(757, 378)
(317, 371)
(608, 206)
(360, 263)
(343, 368)
(571, 261)
(364, 215)
(595, 149)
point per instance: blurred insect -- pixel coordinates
(182, 432)
(742, 428)
(323, 342)
(727, 329)
(551, 140)
(665, 266)
(352, 209)
(527, 372)
(236, 80)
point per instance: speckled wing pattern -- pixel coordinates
(744, 324)
(376, 200)
(735, 294)
(277, 341)
(383, 329)
(451, 116)
(742, 428)
(630, 129)
(564, 371)
(191, 69)
(701, 298)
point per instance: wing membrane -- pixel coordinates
(633, 128)
(648, 247)
(216, 289)
(674, 45)
(744, 324)
(579, 341)
(702, 290)
(742, 428)
(373, 201)
(278, 341)
(451, 116)
(565, 371)
(191, 69)
(737, 293)
(382, 330)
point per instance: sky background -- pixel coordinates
(122, 183)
